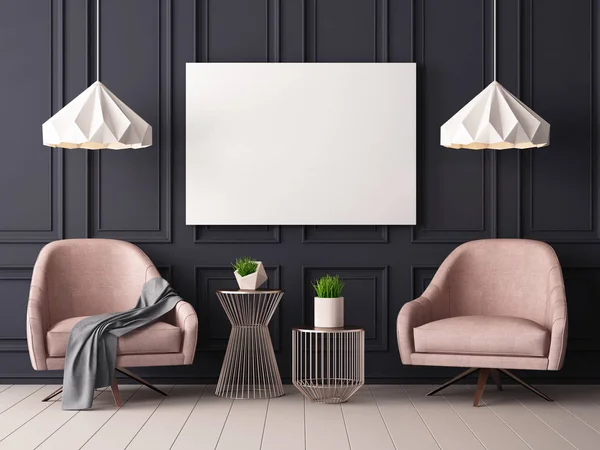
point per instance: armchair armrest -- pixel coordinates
(37, 326)
(432, 305)
(186, 319)
(556, 319)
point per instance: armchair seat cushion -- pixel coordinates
(483, 335)
(158, 337)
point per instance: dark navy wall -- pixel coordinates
(548, 55)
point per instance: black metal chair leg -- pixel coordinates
(140, 380)
(525, 385)
(54, 394)
(465, 374)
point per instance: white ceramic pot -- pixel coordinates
(329, 312)
(254, 280)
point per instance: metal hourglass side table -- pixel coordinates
(250, 368)
(328, 363)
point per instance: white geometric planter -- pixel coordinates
(254, 280)
(329, 312)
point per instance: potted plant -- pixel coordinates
(329, 303)
(250, 274)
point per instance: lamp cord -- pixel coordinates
(495, 36)
(98, 40)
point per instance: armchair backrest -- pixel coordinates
(501, 277)
(82, 277)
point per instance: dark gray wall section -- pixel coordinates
(547, 55)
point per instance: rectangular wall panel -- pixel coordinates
(455, 186)
(213, 325)
(31, 92)
(398, 17)
(242, 36)
(253, 34)
(559, 189)
(291, 25)
(14, 292)
(231, 234)
(421, 276)
(582, 285)
(355, 25)
(365, 300)
(345, 234)
(135, 65)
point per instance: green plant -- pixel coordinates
(328, 286)
(244, 266)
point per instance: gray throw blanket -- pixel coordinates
(92, 348)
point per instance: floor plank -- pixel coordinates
(531, 429)
(489, 429)
(404, 423)
(78, 430)
(40, 427)
(4, 387)
(364, 424)
(122, 427)
(245, 425)
(581, 401)
(284, 427)
(445, 425)
(572, 429)
(15, 394)
(161, 430)
(24, 410)
(325, 428)
(204, 426)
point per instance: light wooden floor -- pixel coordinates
(376, 418)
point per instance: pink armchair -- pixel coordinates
(493, 305)
(76, 278)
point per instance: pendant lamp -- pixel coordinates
(96, 119)
(495, 119)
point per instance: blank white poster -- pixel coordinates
(301, 144)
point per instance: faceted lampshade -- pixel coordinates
(97, 119)
(495, 119)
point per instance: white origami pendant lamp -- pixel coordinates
(96, 119)
(495, 119)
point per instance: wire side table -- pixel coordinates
(250, 368)
(328, 363)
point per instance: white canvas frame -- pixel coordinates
(301, 144)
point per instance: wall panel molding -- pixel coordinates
(226, 234)
(54, 227)
(166, 271)
(428, 143)
(420, 277)
(582, 285)
(379, 26)
(359, 234)
(14, 341)
(530, 198)
(379, 53)
(213, 325)
(158, 230)
(364, 284)
(236, 234)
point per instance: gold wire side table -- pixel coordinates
(328, 363)
(250, 368)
